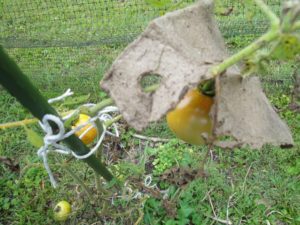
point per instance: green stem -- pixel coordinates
(22, 122)
(79, 181)
(17, 123)
(95, 109)
(113, 120)
(274, 20)
(18, 85)
(247, 51)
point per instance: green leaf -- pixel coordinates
(171, 222)
(196, 218)
(294, 170)
(184, 211)
(34, 138)
(287, 47)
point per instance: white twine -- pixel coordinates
(59, 98)
(129, 194)
(51, 141)
(148, 181)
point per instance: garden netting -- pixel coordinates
(78, 39)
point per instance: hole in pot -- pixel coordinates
(150, 82)
(226, 138)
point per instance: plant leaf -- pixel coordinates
(34, 138)
(287, 47)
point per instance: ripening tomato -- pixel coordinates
(190, 119)
(62, 211)
(91, 134)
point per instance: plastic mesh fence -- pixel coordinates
(53, 40)
(32, 23)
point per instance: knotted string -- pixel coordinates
(51, 140)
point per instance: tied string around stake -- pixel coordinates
(51, 140)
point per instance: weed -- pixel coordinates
(173, 153)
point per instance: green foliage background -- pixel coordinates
(70, 44)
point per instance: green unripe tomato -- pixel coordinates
(62, 211)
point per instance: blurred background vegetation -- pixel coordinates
(70, 44)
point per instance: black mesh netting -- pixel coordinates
(32, 23)
(55, 39)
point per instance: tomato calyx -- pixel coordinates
(57, 209)
(207, 87)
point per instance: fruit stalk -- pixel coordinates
(19, 86)
(273, 34)
(247, 51)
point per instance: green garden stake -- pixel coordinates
(19, 86)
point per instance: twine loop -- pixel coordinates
(52, 140)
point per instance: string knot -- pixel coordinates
(52, 139)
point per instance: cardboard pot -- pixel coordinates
(181, 47)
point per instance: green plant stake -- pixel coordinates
(18, 85)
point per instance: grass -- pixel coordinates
(247, 186)
(90, 22)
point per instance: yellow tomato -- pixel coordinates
(88, 137)
(62, 211)
(190, 119)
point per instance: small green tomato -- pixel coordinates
(62, 211)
